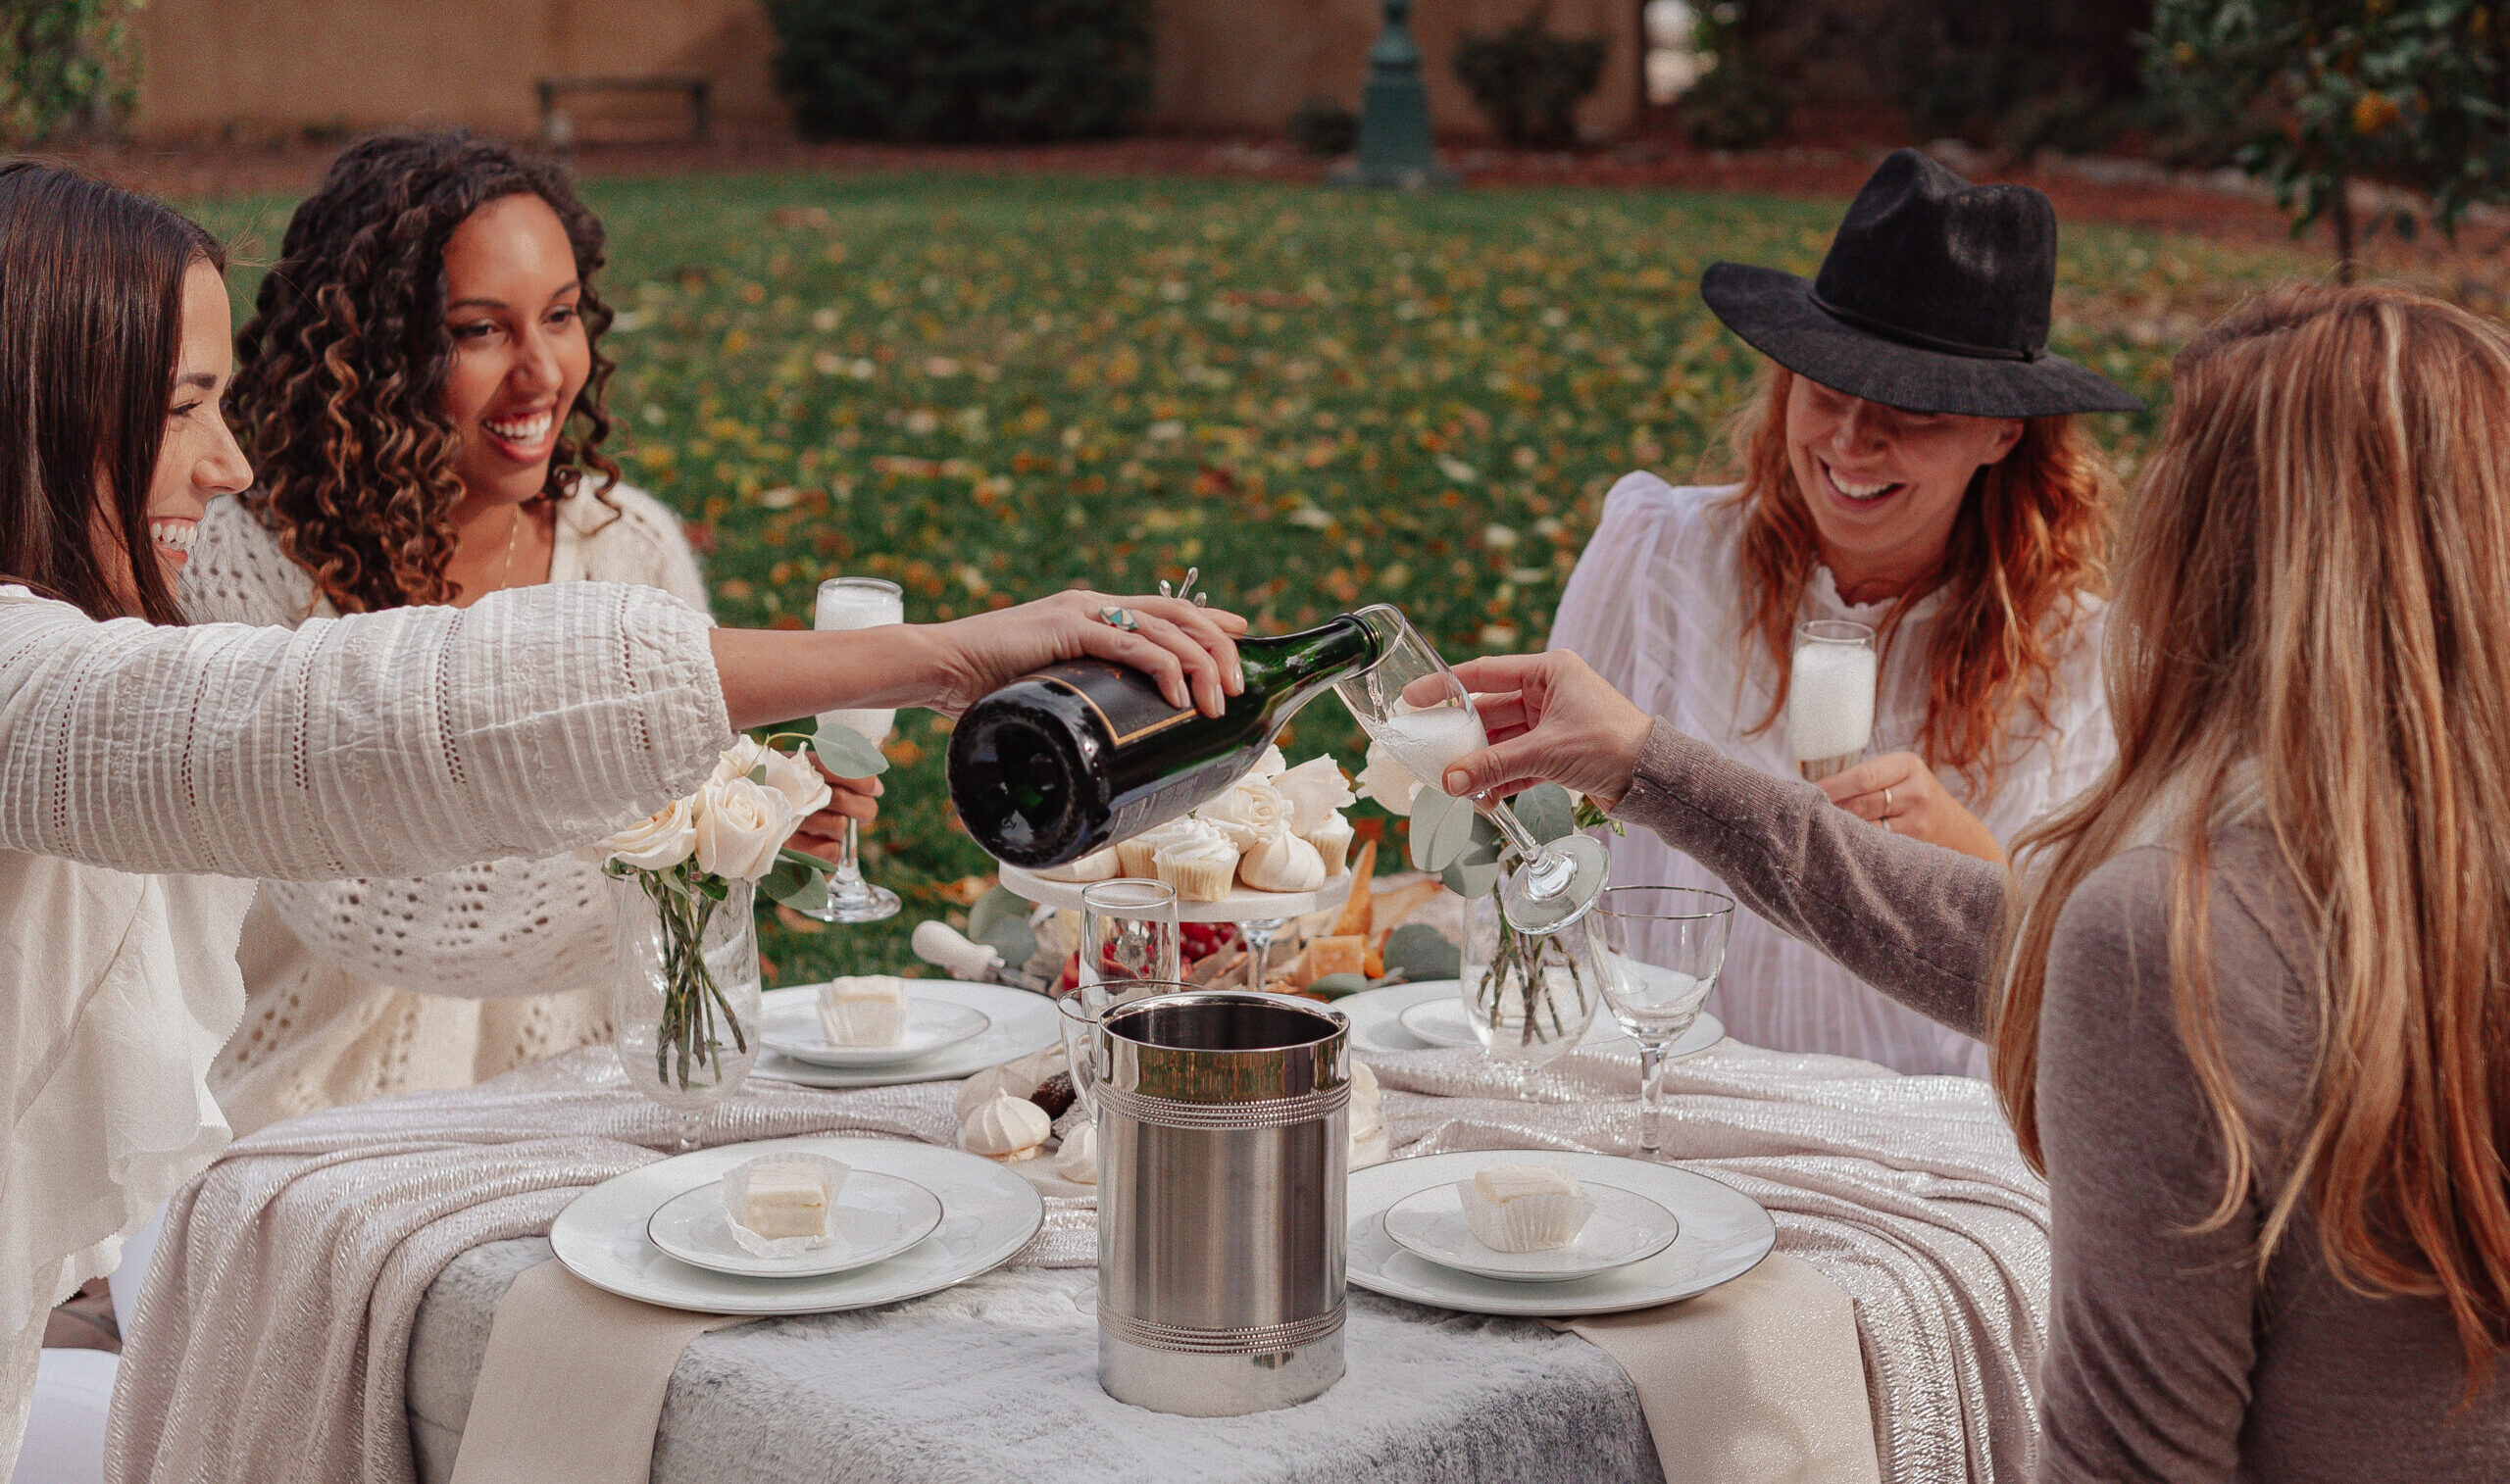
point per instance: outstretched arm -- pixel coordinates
(1916, 921)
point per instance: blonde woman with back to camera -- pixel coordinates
(2249, 995)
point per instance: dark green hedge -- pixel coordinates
(961, 71)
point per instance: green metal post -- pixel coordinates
(1395, 112)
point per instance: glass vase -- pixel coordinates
(1530, 997)
(686, 995)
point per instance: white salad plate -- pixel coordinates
(1724, 1234)
(874, 1216)
(1021, 1023)
(1243, 905)
(930, 1024)
(1384, 1021)
(1624, 1227)
(987, 1214)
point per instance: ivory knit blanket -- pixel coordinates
(273, 1340)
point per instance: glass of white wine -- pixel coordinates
(849, 603)
(1413, 704)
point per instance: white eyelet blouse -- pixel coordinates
(1653, 608)
(366, 988)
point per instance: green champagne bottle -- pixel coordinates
(1078, 755)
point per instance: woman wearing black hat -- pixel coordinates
(1910, 463)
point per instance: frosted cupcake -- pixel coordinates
(1134, 856)
(1200, 868)
(1332, 841)
(1098, 865)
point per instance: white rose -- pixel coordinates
(1245, 811)
(1315, 790)
(792, 775)
(657, 843)
(1386, 783)
(1266, 766)
(739, 760)
(740, 826)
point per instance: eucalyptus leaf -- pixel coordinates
(1546, 812)
(798, 881)
(1421, 952)
(1010, 937)
(1336, 986)
(1442, 829)
(1474, 879)
(995, 906)
(847, 755)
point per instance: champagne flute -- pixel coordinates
(848, 603)
(1680, 931)
(1830, 695)
(1413, 704)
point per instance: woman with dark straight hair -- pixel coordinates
(148, 771)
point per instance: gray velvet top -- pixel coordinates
(2168, 1357)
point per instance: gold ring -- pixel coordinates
(1886, 802)
(1118, 618)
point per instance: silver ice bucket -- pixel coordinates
(1224, 1148)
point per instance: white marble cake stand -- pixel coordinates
(1259, 914)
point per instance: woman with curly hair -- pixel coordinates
(420, 391)
(1912, 463)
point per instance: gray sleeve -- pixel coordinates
(1918, 921)
(2152, 1333)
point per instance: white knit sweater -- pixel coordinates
(364, 988)
(143, 768)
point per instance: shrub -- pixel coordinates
(67, 67)
(2327, 92)
(1325, 129)
(1528, 80)
(1738, 105)
(959, 71)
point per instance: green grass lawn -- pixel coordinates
(987, 389)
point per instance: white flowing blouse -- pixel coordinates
(148, 774)
(368, 988)
(1654, 608)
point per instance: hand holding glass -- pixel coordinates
(849, 603)
(1410, 702)
(1662, 949)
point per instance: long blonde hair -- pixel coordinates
(2024, 554)
(2316, 594)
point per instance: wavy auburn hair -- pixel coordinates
(91, 329)
(340, 373)
(2315, 596)
(2024, 552)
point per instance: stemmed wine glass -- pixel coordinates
(1662, 948)
(849, 603)
(1413, 704)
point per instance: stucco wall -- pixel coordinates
(255, 68)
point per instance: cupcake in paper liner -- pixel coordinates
(1523, 1207)
(777, 1191)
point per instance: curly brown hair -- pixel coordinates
(340, 372)
(2030, 546)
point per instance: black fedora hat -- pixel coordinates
(1933, 298)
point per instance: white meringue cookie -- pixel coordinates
(1280, 861)
(1098, 865)
(1006, 1128)
(1367, 1120)
(1078, 1159)
(1315, 789)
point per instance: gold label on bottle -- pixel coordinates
(1128, 703)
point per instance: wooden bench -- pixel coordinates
(551, 89)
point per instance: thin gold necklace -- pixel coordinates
(514, 533)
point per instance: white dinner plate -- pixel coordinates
(1024, 1023)
(1624, 1227)
(987, 1214)
(930, 1024)
(1376, 1022)
(1242, 905)
(874, 1216)
(1724, 1234)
